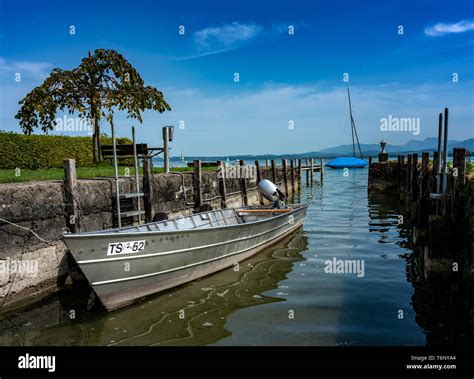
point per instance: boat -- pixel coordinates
(349, 162)
(125, 264)
(346, 162)
(182, 159)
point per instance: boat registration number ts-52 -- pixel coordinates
(116, 248)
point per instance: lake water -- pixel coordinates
(282, 296)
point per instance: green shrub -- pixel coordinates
(46, 151)
(470, 166)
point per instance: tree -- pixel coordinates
(104, 81)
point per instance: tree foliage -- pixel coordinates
(104, 82)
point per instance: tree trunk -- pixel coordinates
(95, 114)
(96, 142)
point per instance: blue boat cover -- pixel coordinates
(346, 162)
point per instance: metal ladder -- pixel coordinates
(120, 196)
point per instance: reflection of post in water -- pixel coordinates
(442, 305)
(384, 214)
(440, 300)
(192, 314)
(28, 326)
(442, 278)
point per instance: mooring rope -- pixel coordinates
(14, 275)
(28, 229)
(22, 252)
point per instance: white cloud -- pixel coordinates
(218, 39)
(227, 35)
(203, 54)
(441, 28)
(36, 70)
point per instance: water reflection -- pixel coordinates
(193, 314)
(440, 305)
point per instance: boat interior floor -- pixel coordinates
(208, 219)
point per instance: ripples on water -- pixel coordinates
(254, 306)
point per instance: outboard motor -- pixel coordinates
(271, 192)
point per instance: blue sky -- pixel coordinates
(283, 77)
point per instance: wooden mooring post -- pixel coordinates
(321, 170)
(274, 174)
(259, 178)
(434, 176)
(307, 172)
(425, 171)
(148, 199)
(292, 173)
(409, 172)
(222, 188)
(434, 171)
(243, 184)
(399, 170)
(408, 182)
(414, 184)
(459, 168)
(73, 220)
(197, 184)
(368, 173)
(459, 177)
(402, 178)
(285, 176)
(257, 171)
(424, 202)
(300, 171)
(311, 166)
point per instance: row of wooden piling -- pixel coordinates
(307, 165)
(292, 169)
(433, 215)
(310, 168)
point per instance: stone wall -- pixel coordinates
(383, 176)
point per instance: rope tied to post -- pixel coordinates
(29, 230)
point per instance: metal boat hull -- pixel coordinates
(173, 257)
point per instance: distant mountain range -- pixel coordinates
(412, 146)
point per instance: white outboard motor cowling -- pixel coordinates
(270, 191)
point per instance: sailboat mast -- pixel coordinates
(351, 120)
(353, 128)
(357, 139)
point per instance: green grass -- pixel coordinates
(470, 166)
(101, 170)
